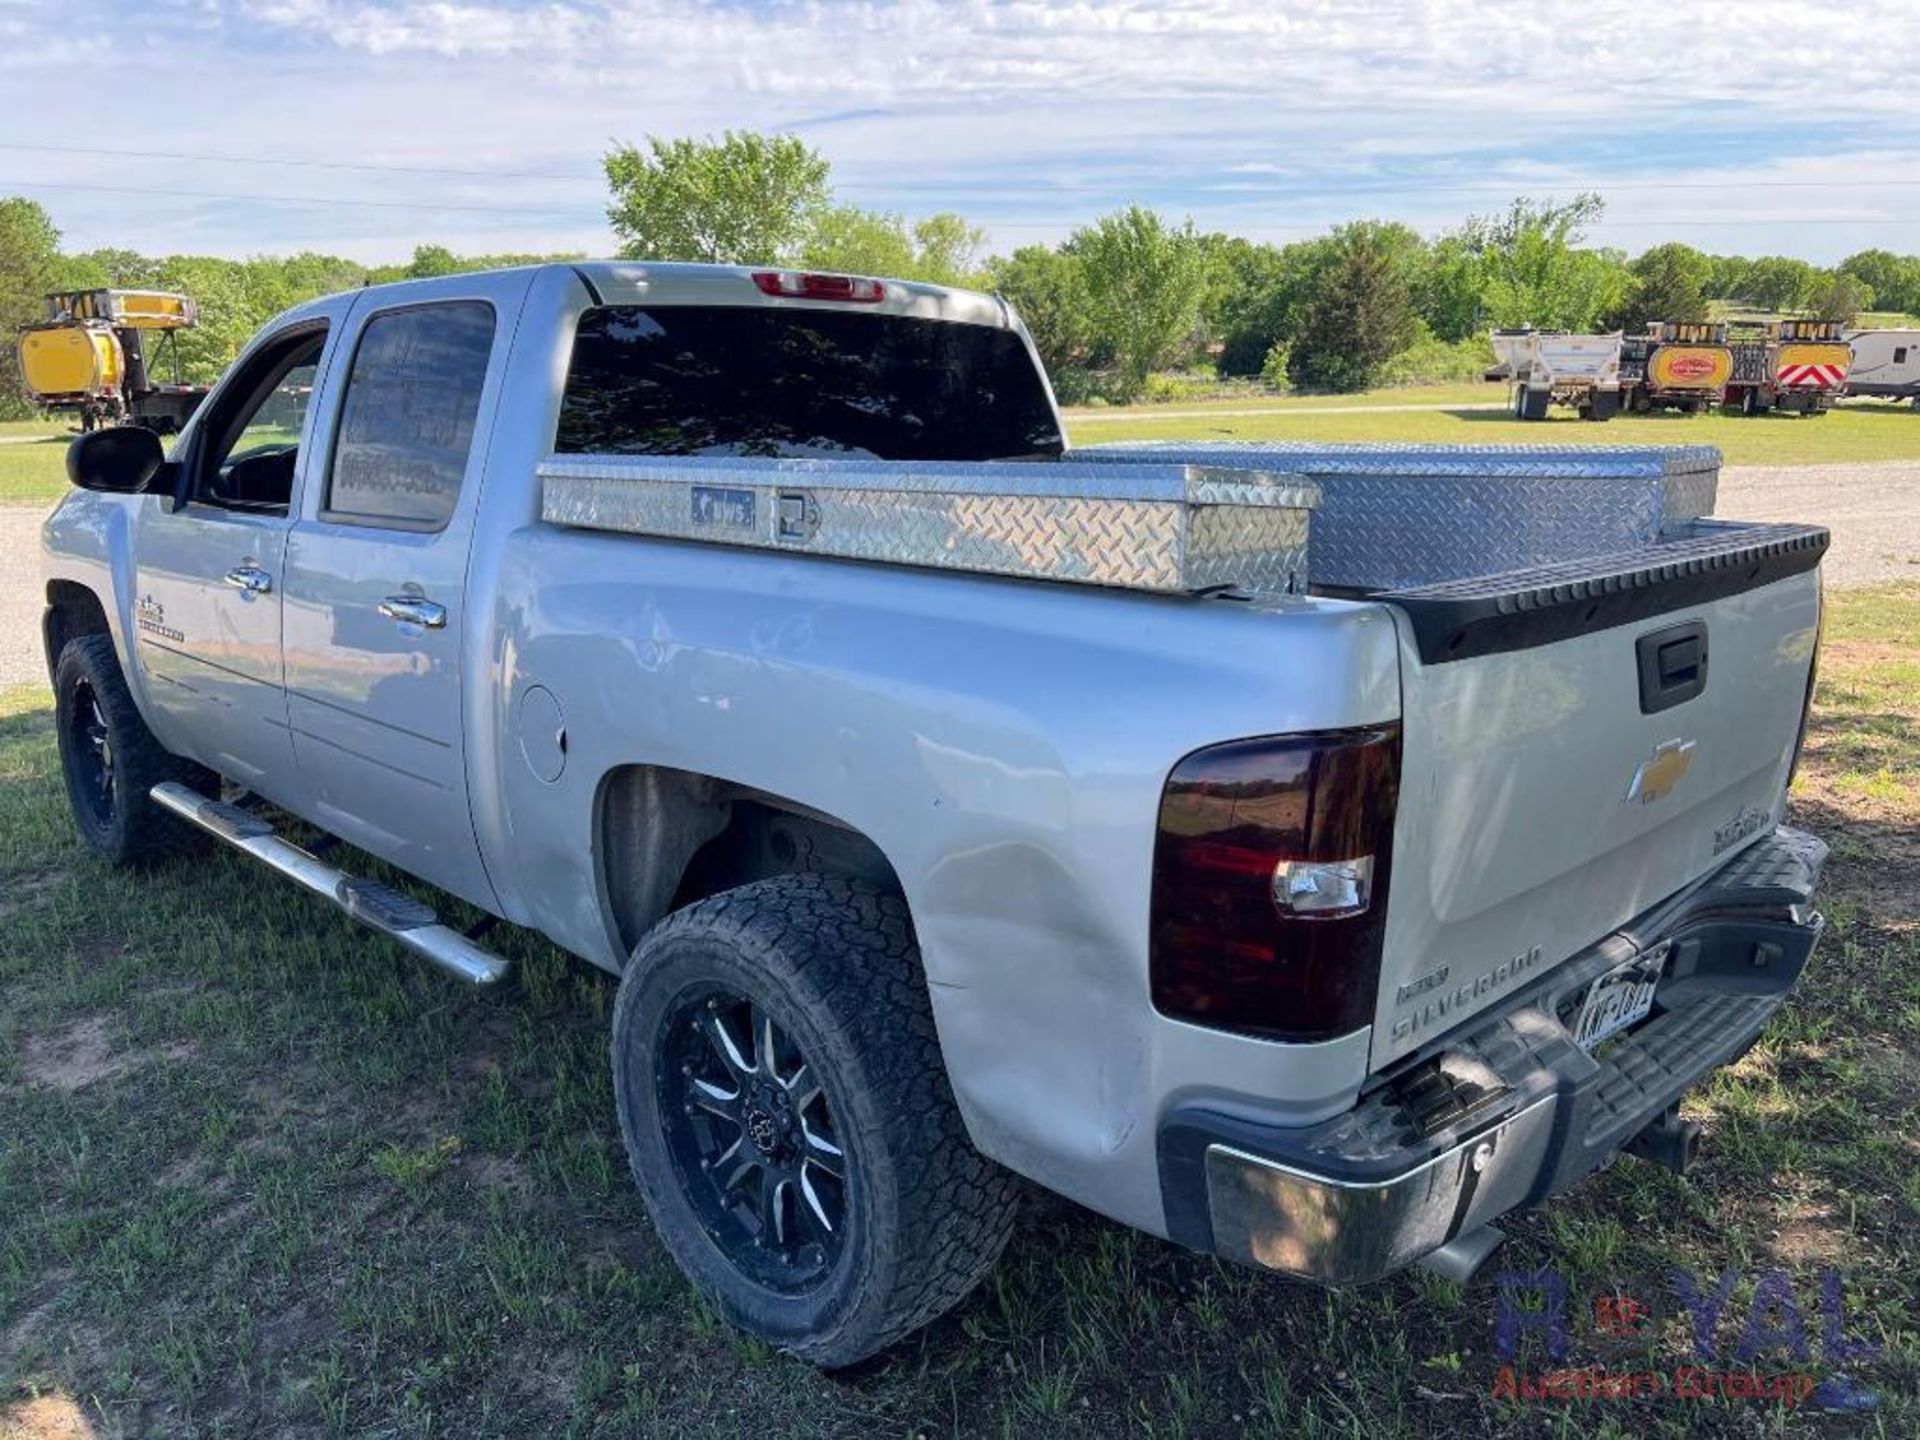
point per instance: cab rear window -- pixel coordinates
(778, 381)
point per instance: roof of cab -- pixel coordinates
(637, 282)
(646, 282)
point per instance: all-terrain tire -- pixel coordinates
(111, 760)
(834, 965)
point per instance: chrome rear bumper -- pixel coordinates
(1510, 1110)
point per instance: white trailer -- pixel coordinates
(1555, 368)
(1886, 364)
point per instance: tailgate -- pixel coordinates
(1549, 792)
(1578, 357)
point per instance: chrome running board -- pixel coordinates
(407, 920)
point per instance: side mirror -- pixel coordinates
(122, 460)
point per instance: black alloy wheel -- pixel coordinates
(90, 744)
(753, 1136)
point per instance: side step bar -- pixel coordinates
(413, 924)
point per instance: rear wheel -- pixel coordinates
(111, 760)
(789, 1121)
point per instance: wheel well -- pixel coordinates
(670, 837)
(72, 611)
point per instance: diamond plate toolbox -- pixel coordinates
(1394, 516)
(1172, 527)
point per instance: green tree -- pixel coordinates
(1778, 282)
(230, 311)
(853, 241)
(1257, 297)
(1894, 279)
(1450, 291)
(1145, 281)
(947, 250)
(1361, 313)
(1839, 297)
(1528, 268)
(940, 249)
(743, 199)
(1728, 278)
(1048, 290)
(433, 260)
(29, 268)
(114, 269)
(1669, 283)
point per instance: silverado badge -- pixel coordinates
(1656, 776)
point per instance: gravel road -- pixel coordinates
(1873, 511)
(20, 596)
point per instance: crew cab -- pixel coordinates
(1306, 856)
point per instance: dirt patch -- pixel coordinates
(82, 1053)
(73, 1057)
(497, 1172)
(1879, 862)
(21, 891)
(51, 1417)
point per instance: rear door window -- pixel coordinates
(778, 381)
(406, 425)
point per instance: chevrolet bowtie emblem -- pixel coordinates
(1658, 775)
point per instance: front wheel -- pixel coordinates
(111, 760)
(789, 1121)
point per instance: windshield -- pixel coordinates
(775, 381)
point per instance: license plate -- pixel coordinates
(1619, 998)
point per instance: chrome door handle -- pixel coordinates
(412, 610)
(249, 578)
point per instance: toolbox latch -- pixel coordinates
(797, 518)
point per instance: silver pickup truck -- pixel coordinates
(1309, 854)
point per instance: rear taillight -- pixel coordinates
(1269, 882)
(805, 285)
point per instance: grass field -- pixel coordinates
(33, 471)
(261, 1174)
(1458, 393)
(1861, 431)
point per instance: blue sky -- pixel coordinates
(363, 127)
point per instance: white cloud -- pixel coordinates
(1419, 54)
(1272, 116)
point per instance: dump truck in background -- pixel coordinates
(1796, 366)
(1551, 367)
(1885, 364)
(1676, 366)
(88, 357)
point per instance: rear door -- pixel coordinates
(376, 577)
(1551, 793)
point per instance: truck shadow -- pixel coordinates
(1563, 417)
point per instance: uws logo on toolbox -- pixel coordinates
(1770, 1320)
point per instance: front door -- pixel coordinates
(376, 614)
(208, 575)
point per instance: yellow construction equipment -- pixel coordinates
(88, 356)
